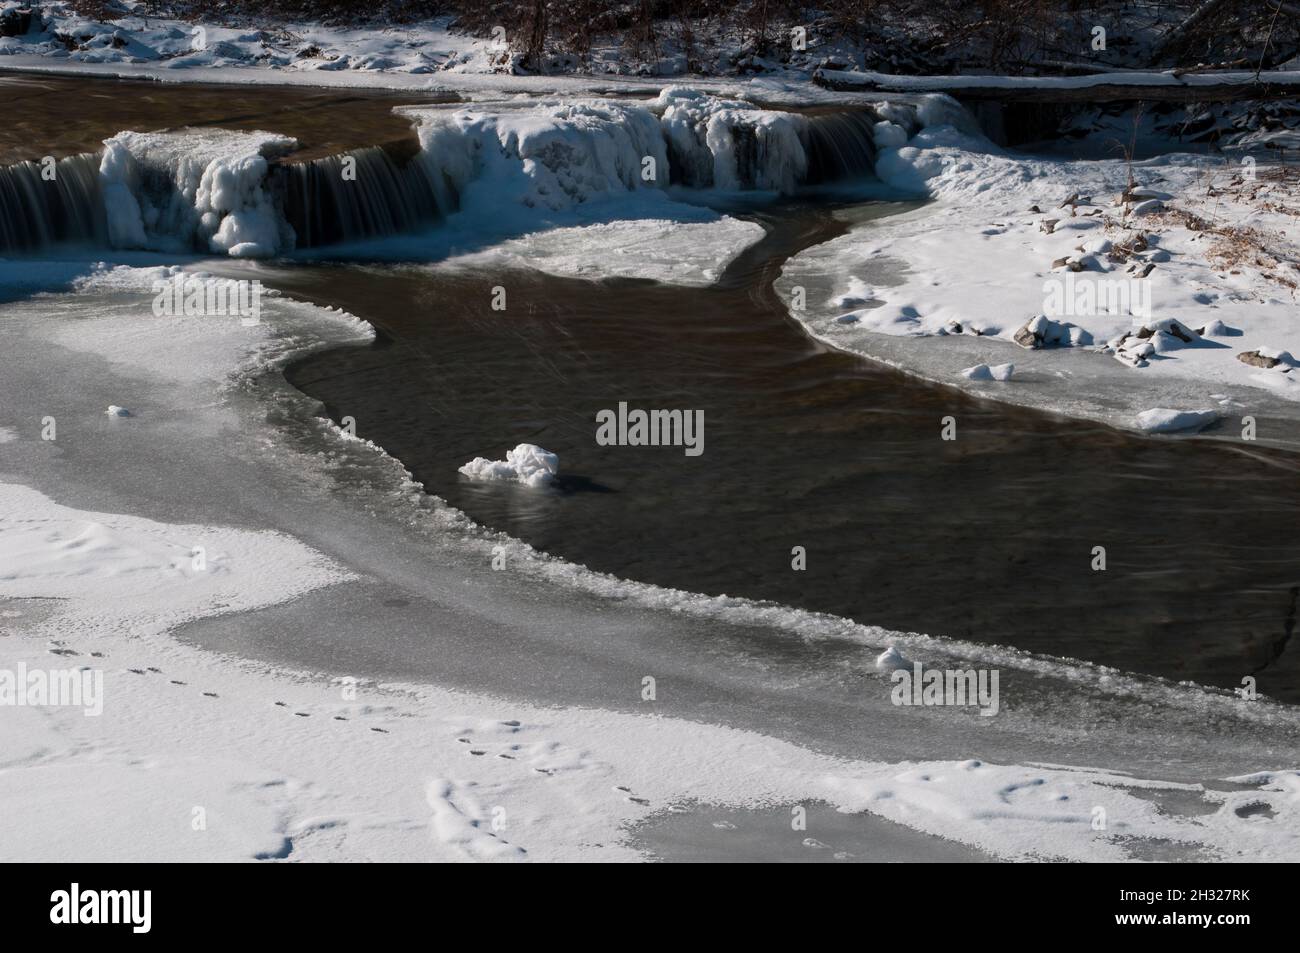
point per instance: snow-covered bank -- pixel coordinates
(317, 767)
(1177, 290)
(873, 82)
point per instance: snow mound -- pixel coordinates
(527, 463)
(116, 411)
(892, 659)
(1164, 420)
(983, 372)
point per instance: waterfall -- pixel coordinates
(215, 191)
(323, 207)
(841, 146)
(63, 205)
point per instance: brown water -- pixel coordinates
(989, 538)
(324, 121)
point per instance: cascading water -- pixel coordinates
(49, 204)
(333, 200)
(213, 191)
(841, 146)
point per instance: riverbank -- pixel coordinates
(315, 766)
(1115, 288)
(307, 657)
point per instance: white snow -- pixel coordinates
(892, 659)
(115, 411)
(1164, 420)
(527, 463)
(691, 253)
(983, 372)
(1000, 253)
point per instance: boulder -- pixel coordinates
(1255, 359)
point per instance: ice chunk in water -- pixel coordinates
(527, 463)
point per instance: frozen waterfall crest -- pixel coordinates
(212, 191)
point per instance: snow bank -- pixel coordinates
(1192, 300)
(286, 766)
(138, 575)
(527, 463)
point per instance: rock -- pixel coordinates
(1149, 207)
(1177, 329)
(1163, 342)
(1168, 326)
(1042, 331)
(1255, 359)
(1129, 358)
(1146, 270)
(1026, 337)
(1049, 225)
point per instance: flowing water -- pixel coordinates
(990, 538)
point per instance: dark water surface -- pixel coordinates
(324, 121)
(988, 538)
